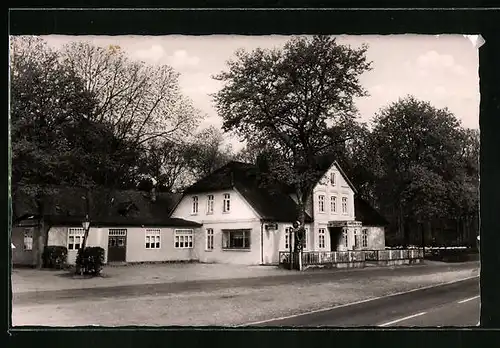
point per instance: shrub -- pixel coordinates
(90, 260)
(54, 256)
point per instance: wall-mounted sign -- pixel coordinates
(344, 224)
(273, 226)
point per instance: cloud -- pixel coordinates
(156, 54)
(432, 61)
(181, 59)
(152, 55)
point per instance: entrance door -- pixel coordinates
(335, 233)
(117, 245)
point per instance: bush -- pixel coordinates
(90, 260)
(54, 256)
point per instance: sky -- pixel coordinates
(441, 69)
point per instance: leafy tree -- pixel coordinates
(56, 138)
(47, 99)
(206, 152)
(294, 99)
(165, 162)
(417, 149)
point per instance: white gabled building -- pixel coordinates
(244, 223)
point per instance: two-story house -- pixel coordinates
(245, 223)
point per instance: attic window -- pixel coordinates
(194, 209)
(333, 178)
(227, 203)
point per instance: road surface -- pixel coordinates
(455, 304)
(299, 278)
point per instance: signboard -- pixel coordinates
(273, 226)
(344, 224)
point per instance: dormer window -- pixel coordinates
(227, 203)
(195, 205)
(333, 178)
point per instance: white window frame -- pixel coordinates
(333, 204)
(75, 234)
(321, 203)
(247, 235)
(209, 239)
(321, 238)
(210, 204)
(152, 238)
(195, 205)
(183, 239)
(28, 239)
(345, 208)
(333, 178)
(226, 207)
(364, 238)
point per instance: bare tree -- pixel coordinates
(141, 102)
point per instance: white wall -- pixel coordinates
(59, 236)
(326, 189)
(137, 252)
(251, 256)
(274, 242)
(240, 210)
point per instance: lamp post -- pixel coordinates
(86, 226)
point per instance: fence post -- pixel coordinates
(334, 257)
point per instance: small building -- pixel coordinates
(131, 226)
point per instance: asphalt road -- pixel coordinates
(455, 304)
(299, 278)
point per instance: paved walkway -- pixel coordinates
(29, 280)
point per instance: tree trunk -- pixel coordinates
(422, 231)
(299, 233)
(41, 233)
(40, 239)
(406, 233)
(401, 232)
(87, 212)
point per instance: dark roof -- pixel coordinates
(121, 221)
(244, 177)
(368, 215)
(66, 205)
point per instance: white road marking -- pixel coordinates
(353, 303)
(402, 319)
(469, 299)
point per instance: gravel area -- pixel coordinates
(226, 307)
(26, 280)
